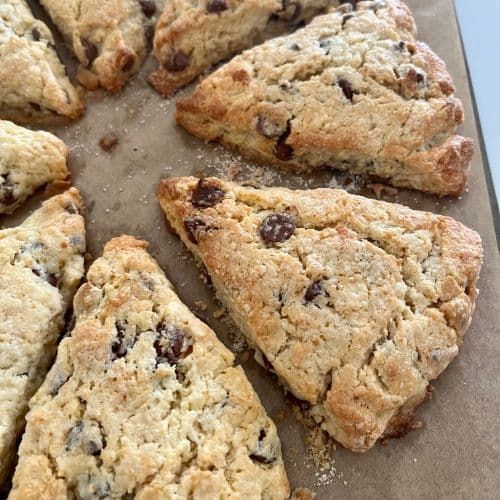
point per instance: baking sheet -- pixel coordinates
(456, 452)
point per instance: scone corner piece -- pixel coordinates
(41, 265)
(28, 160)
(352, 90)
(141, 378)
(302, 272)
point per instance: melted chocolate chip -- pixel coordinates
(215, 6)
(346, 18)
(35, 33)
(92, 447)
(148, 7)
(71, 208)
(90, 51)
(277, 228)
(313, 290)
(290, 11)
(192, 226)
(296, 47)
(347, 89)
(59, 380)
(264, 454)
(118, 347)
(171, 344)
(401, 45)
(74, 436)
(282, 150)
(53, 280)
(7, 191)
(177, 61)
(206, 194)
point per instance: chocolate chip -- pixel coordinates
(326, 45)
(265, 453)
(215, 6)
(277, 228)
(192, 227)
(71, 208)
(108, 141)
(74, 436)
(7, 191)
(92, 447)
(172, 344)
(59, 380)
(177, 61)
(118, 347)
(347, 89)
(90, 51)
(282, 150)
(346, 18)
(290, 11)
(53, 280)
(148, 7)
(313, 290)
(35, 33)
(206, 194)
(401, 45)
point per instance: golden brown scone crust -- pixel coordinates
(357, 307)
(34, 87)
(109, 38)
(143, 400)
(353, 90)
(191, 36)
(28, 160)
(41, 265)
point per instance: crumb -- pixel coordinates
(302, 494)
(380, 189)
(219, 313)
(108, 142)
(233, 170)
(200, 305)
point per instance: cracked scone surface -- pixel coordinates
(110, 39)
(191, 36)
(33, 82)
(353, 90)
(357, 304)
(41, 264)
(144, 401)
(28, 160)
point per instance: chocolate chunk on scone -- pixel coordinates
(143, 400)
(33, 82)
(109, 38)
(355, 304)
(41, 264)
(353, 91)
(193, 36)
(28, 160)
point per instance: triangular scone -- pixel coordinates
(33, 82)
(143, 401)
(41, 264)
(356, 304)
(191, 37)
(353, 90)
(109, 38)
(28, 160)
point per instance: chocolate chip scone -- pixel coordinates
(355, 304)
(41, 264)
(28, 160)
(353, 90)
(143, 401)
(33, 82)
(110, 39)
(192, 36)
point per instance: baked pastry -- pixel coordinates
(33, 83)
(353, 90)
(143, 401)
(191, 37)
(356, 304)
(41, 264)
(28, 160)
(110, 39)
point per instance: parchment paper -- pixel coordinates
(456, 452)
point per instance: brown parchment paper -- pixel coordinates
(456, 452)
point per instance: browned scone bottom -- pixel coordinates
(353, 90)
(357, 304)
(143, 401)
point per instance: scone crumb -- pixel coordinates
(302, 494)
(233, 170)
(201, 305)
(108, 141)
(380, 189)
(219, 313)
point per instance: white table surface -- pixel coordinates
(480, 27)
